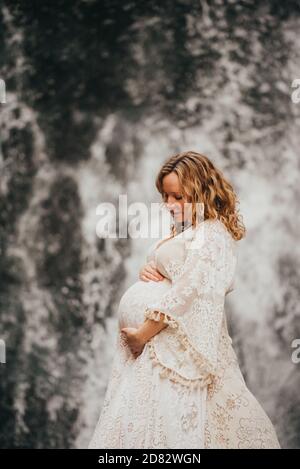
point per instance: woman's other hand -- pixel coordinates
(134, 340)
(150, 272)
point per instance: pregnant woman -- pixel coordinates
(175, 381)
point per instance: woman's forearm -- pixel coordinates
(150, 328)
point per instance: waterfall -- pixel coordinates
(98, 95)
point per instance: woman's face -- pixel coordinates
(173, 197)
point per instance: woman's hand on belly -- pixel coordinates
(135, 341)
(150, 272)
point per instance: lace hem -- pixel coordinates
(207, 372)
(155, 315)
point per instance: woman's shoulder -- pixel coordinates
(211, 226)
(213, 230)
(215, 225)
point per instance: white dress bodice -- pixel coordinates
(169, 255)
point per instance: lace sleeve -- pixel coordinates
(150, 252)
(193, 307)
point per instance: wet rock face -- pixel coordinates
(96, 90)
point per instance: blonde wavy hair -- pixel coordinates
(201, 181)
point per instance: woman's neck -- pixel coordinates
(181, 225)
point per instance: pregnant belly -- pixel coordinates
(135, 300)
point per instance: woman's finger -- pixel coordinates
(150, 272)
(148, 275)
(150, 268)
(152, 277)
(154, 271)
(144, 278)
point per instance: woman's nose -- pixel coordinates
(170, 200)
(171, 205)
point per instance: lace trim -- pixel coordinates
(156, 316)
(208, 373)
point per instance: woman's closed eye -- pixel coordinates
(177, 197)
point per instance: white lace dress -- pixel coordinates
(185, 390)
